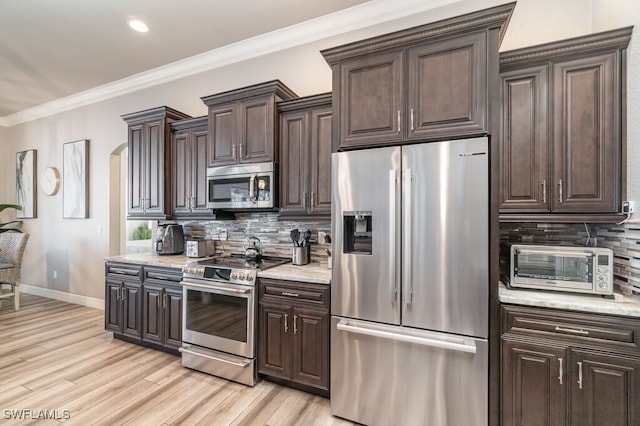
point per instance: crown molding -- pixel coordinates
(351, 19)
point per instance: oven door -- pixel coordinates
(219, 316)
(554, 268)
(241, 187)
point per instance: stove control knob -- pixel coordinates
(242, 276)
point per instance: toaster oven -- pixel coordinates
(561, 268)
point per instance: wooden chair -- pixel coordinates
(12, 245)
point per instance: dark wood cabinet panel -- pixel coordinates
(586, 106)
(524, 152)
(132, 309)
(153, 318)
(113, 307)
(189, 162)
(149, 162)
(305, 157)
(310, 361)
(243, 123)
(579, 172)
(173, 317)
(447, 88)
(223, 135)
(532, 391)
(123, 300)
(432, 82)
(569, 368)
(274, 356)
(293, 333)
(371, 97)
(595, 375)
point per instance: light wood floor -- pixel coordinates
(56, 356)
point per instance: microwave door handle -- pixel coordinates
(253, 196)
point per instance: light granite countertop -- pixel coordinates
(620, 305)
(317, 273)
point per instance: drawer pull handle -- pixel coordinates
(560, 371)
(572, 330)
(286, 293)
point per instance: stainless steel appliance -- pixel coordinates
(247, 186)
(218, 316)
(169, 239)
(561, 268)
(200, 248)
(410, 281)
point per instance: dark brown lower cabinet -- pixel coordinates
(143, 305)
(123, 297)
(293, 334)
(162, 308)
(562, 368)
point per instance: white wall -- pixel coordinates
(75, 249)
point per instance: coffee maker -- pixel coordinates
(169, 239)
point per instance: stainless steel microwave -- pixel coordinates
(247, 186)
(562, 268)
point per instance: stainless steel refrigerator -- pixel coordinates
(410, 284)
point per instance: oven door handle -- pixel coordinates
(191, 352)
(253, 188)
(217, 289)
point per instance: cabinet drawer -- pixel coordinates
(572, 326)
(163, 274)
(124, 269)
(292, 291)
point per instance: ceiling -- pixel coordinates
(52, 49)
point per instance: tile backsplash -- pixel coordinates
(273, 232)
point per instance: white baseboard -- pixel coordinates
(90, 302)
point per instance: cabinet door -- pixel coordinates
(222, 135)
(113, 307)
(274, 348)
(181, 161)
(153, 322)
(524, 151)
(447, 88)
(199, 164)
(257, 130)
(372, 100)
(533, 384)
(604, 389)
(155, 162)
(586, 152)
(136, 170)
(294, 161)
(321, 161)
(172, 317)
(311, 347)
(132, 309)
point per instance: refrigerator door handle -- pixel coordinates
(407, 234)
(393, 211)
(460, 345)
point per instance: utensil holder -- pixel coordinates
(300, 255)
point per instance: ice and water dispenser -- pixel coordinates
(357, 227)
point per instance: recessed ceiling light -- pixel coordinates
(138, 26)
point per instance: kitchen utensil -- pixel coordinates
(253, 251)
(305, 238)
(300, 255)
(295, 237)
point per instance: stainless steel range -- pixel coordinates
(218, 316)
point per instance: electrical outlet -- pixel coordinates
(321, 236)
(628, 207)
(55, 274)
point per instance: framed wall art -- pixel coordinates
(75, 179)
(26, 184)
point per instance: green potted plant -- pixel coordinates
(4, 227)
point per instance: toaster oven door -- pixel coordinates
(563, 266)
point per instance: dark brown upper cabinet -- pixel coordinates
(149, 161)
(425, 83)
(243, 123)
(305, 156)
(189, 162)
(563, 140)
